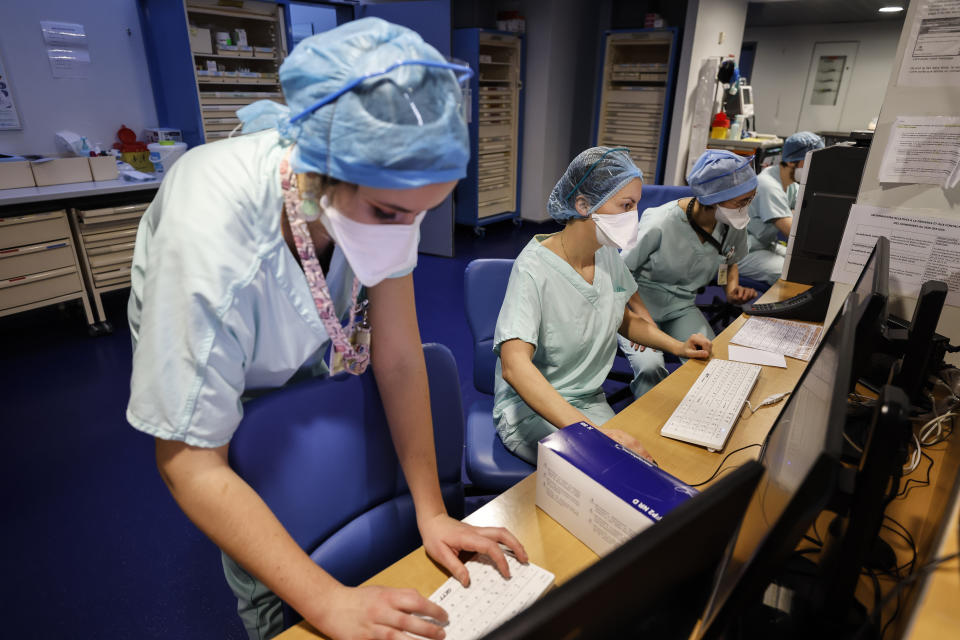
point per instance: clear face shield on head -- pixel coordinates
(461, 74)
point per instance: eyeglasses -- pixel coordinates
(462, 72)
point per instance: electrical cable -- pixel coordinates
(917, 483)
(720, 466)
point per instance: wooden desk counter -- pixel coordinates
(553, 547)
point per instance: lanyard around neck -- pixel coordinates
(703, 232)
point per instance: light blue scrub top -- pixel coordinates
(218, 305)
(670, 263)
(771, 203)
(571, 324)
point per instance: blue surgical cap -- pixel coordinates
(596, 174)
(720, 175)
(400, 130)
(796, 146)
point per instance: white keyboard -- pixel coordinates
(490, 600)
(712, 406)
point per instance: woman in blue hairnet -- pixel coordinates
(568, 297)
(248, 262)
(682, 246)
(771, 212)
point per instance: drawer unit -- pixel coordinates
(39, 265)
(106, 238)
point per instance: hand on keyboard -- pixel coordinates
(362, 613)
(444, 538)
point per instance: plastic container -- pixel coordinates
(721, 126)
(164, 154)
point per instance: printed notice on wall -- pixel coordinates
(9, 119)
(932, 56)
(921, 248)
(922, 150)
(67, 48)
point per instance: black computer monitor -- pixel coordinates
(924, 349)
(830, 188)
(854, 542)
(871, 362)
(802, 460)
(655, 584)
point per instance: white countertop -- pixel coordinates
(73, 190)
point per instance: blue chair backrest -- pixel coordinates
(484, 286)
(319, 453)
(654, 195)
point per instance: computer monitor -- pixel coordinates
(870, 359)
(746, 100)
(924, 349)
(655, 584)
(802, 460)
(854, 541)
(829, 189)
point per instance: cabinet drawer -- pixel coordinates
(24, 290)
(91, 217)
(35, 258)
(33, 229)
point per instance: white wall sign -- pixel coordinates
(66, 49)
(9, 118)
(932, 56)
(921, 150)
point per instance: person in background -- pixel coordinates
(684, 245)
(771, 212)
(253, 255)
(568, 297)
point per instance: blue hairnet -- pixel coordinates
(399, 130)
(720, 175)
(796, 146)
(596, 174)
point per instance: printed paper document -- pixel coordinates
(921, 150)
(795, 339)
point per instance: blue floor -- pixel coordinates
(94, 546)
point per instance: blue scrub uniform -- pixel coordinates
(572, 326)
(765, 259)
(218, 307)
(670, 264)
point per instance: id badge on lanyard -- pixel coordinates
(724, 267)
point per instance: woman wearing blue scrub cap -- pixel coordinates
(771, 212)
(568, 297)
(682, 246)
(263, 252)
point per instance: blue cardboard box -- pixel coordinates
(601, 492)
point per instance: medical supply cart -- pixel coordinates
(634, 95)
(490, 192)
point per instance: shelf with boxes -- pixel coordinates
(234, 50)
(490, 191)
(634, 95)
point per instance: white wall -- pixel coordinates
(706, 21)
(116, 92)
(783, 60)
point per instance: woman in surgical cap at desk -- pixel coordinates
(682, 246)
(253, 255)
(568, 297)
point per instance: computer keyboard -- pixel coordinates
(707, 413)
(490, 600)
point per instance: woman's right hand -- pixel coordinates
(628, 441)
(379, 613)
(696, 346)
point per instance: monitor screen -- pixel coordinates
(873, 290)
(656, 584)
(800, 455)
(747, 93)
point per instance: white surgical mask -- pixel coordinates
(374, 251)
(800, 175)
(617, 230)
(736, 218)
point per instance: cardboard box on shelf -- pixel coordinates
(104, 168)
(61, 171)
(16, 175)
(200, 40)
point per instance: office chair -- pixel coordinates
(712, 303)
(490, 466)
(320, 455)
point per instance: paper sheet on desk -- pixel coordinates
(795, 339)
(755, 356)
